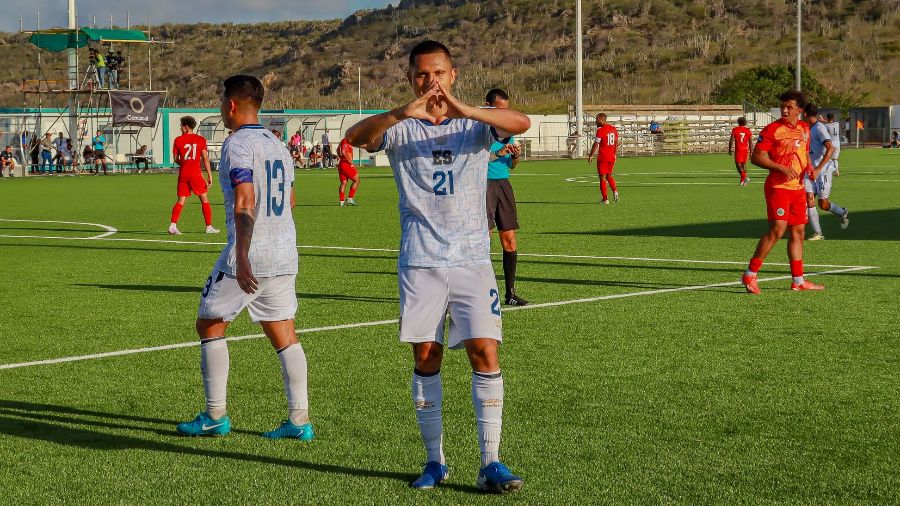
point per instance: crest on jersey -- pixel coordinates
(780, 211)
(441, 140)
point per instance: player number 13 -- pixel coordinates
(274, 205)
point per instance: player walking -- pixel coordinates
(607, 141)
(189, 151)
(741, 144)
(257, 269)
(346, 171)
(783, 149)
(818, 184)
(501, 201)
(439, 149)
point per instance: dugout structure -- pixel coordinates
(682, 129)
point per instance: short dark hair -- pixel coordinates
(810, 109)
(428, 47)
(742, 121)
(601, 115)
(244, 87)
(494, 94)
(830, 116)
(794, 95)
(188, 121)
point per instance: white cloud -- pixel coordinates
(53, 12)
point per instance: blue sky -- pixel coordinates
(53, 12)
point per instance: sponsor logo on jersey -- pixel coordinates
(440, 140)
(780, 211)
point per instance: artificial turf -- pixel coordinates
(700, 395)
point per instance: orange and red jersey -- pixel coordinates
(345, 152)
(786, 145)
(187, 151)
(741, 135)
(607, 139)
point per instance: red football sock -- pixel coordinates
(612, 182)
(755, 264)
(797, 268)
(341, 194)
(743, 175)
(352, 191)
(176, 212)
(207, 213)
(603, 188)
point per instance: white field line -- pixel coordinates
(109, 230)
(392, 250)
(395, 321)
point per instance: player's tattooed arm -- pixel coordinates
(244, 221)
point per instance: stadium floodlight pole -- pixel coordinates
(579, 78)
(799, 18)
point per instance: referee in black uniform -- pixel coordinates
(501, 202)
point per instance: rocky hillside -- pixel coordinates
(637, 51)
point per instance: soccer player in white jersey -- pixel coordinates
(439, 149)
(818, 185)
(834, 130)
(258, 266)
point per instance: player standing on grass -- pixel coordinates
(783, 149)
(501, 201)
(257, 269)
(439, 149)
(608, 141)
(346, 171)
(189, 151)
(818, 184)
(834, 131)
(741, 144)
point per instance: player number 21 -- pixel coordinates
(274, 204)
(190, 151)
(443, 182)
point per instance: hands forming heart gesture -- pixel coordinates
(435, 105)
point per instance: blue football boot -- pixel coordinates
(203, 425)
(495, 477)
(289, 430)
(432, 474)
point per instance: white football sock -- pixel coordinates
(487, 398)
(293, 371)
(798, 280)
(214, 364)
(427, 399)
(836, 209)
(813, 214)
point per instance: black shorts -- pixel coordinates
(501, 205)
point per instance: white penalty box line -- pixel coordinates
(377, 323)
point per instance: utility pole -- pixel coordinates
(579, 83)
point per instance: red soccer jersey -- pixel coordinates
(187, 151)
(741, 135)
(607, 138)
(786, 145)
(345, 152)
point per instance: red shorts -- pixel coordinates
(786, 205)
(741, 156)
(605, 166)
(347, 171)
(192, 184)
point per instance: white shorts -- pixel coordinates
(469, 293)
(275, 298)
(821, 187)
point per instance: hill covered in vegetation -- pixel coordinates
(636, 51)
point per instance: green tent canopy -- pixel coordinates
(59, 39)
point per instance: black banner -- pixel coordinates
(135, 108)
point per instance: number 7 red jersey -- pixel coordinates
(187, 149)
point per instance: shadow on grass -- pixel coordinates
(195, 289)
(880, 225)
(58, 424)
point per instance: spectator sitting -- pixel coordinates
(655, 127)
(141, 157)
(315, 157)
(87, 155)
(7, 161)
(895, 139)
(64, 157)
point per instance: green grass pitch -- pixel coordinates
(668, 384)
